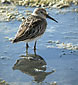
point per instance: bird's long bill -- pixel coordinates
(51, 18)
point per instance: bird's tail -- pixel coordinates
(14, 41)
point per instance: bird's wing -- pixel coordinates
(23, 27)
(31, 28)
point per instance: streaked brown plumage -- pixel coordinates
(33, 27)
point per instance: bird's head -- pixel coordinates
(41, 12)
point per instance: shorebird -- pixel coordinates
(33, 27)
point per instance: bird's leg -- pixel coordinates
(35, 46)
(35, 52)
(27, 46)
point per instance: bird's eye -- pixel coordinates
(41, 12)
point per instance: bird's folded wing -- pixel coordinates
(31, 28)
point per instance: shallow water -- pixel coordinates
(62, 60)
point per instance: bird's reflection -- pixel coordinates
(33, 65)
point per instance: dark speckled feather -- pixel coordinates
(31, 28)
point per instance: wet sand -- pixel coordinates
(50, 57)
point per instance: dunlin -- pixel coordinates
(33, 27)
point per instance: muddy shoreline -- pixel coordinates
(59, 49)
(9, 12)
(42, 3)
